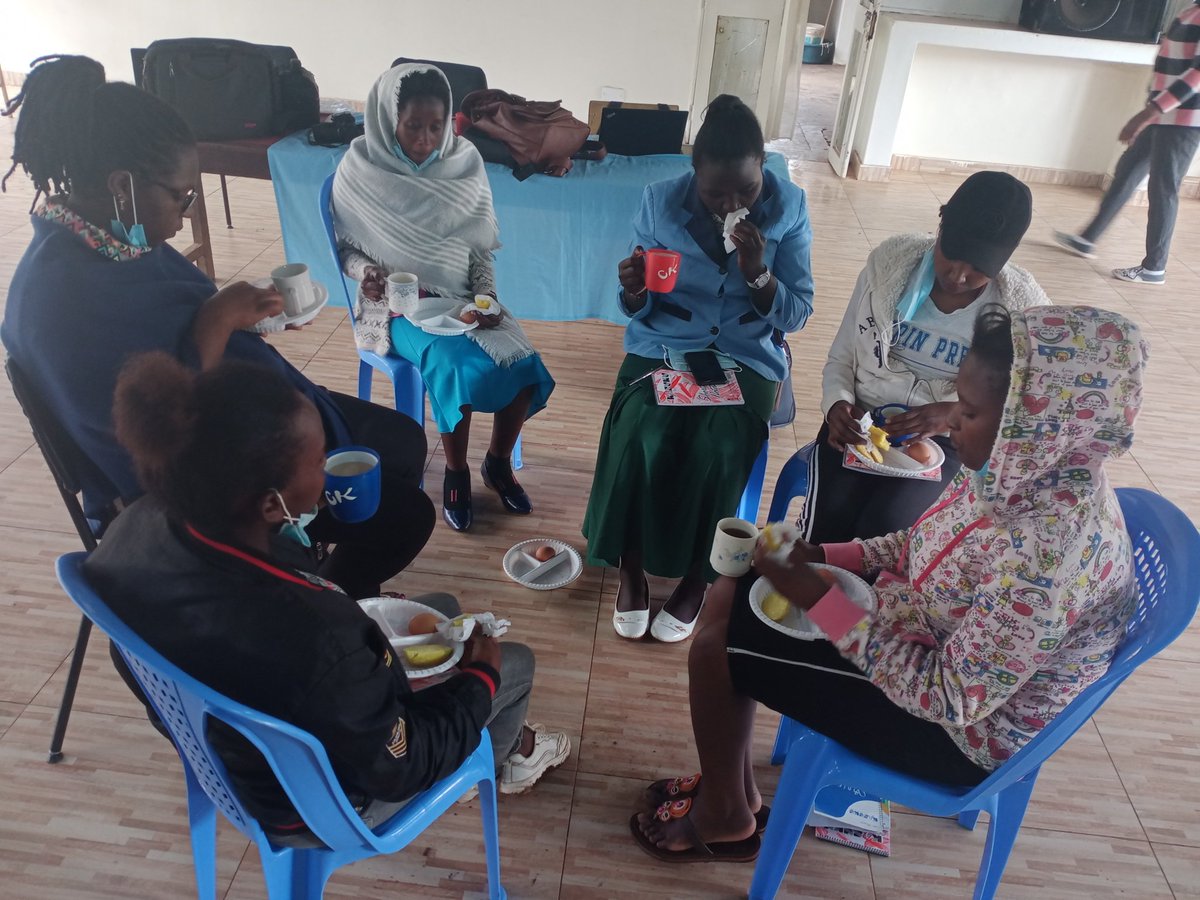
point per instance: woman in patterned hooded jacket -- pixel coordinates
(1002, 603)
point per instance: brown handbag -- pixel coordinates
(539, 134)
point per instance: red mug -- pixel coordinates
(662, 270)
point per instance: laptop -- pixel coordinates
(642, 132)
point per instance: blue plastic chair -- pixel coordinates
(1166, 553)
(299, 762)
(752, 495)
(406, 378)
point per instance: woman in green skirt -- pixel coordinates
(666, 474)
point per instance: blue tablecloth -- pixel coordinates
(562, 237)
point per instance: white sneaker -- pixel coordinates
(519, 773)
(1140, 275)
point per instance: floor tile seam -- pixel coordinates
(1120, 778)
(1170, 887)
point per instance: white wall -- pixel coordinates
(540, 50)
(1015, 109)
(979, 10)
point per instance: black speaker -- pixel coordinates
(1140, 21)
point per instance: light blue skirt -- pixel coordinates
(458, 373)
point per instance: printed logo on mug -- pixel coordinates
(352, 483)
(662, 269)
(295, 284)
(402, 293)
(733, 547)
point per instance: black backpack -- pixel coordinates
(227, 89)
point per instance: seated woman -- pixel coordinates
(995, 609)
(665, 475)
(99, 282)
(230, 459)
(905, 334)
(411, 196)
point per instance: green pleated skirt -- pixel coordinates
(665, 475)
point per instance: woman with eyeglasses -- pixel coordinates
(117, 171)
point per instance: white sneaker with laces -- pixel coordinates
(519, 773)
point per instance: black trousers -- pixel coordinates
(842, 504)
(812, 683)
(1162, 152)
(369, 553)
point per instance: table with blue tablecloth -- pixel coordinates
(561, 237)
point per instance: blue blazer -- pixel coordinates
(710, 305)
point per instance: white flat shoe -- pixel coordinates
(670, 630)
(632, 624)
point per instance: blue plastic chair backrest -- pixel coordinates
(1166, 557)
(325, 209)
(185, 705)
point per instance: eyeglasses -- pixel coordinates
(184, 198)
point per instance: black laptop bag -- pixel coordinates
(227, 89)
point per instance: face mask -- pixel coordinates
(675, 360)
(417, 167)
(918, 289)
(293, 526)
(135, 236)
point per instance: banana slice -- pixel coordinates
(775, 606)
(423, 656)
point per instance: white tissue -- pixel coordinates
(730, 221)
(461, 627)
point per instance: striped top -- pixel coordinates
(1176, 86)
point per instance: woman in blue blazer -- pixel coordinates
(665, 475)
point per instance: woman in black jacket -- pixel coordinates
(232, 461)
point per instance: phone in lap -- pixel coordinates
(705, 367)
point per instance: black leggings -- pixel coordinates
(811, 682)
(843, 504)
(369, 553)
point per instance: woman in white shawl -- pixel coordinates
(411, 196)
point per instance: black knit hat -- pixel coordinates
(984, 221)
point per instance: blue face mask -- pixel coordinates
(918, 290)
(135, 236)
(417, 167)
(293, 526)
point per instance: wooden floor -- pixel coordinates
(1115, 814)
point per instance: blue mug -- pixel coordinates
(352, 484)
(880, 415)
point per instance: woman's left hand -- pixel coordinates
(750, 248)
(921, 421)
(486, 322)
(799, 583)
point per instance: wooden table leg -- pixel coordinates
(200, 250)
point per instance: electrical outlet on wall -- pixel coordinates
(612, 93)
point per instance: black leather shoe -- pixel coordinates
(456, 500)
(504, 483)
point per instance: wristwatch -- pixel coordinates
(761, 281)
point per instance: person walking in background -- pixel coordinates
(1162, 140)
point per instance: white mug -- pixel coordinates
(402, 293)
(733, 546)
(294, 283)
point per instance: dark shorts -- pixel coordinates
(811, 682)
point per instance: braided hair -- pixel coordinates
(730, 133)
(75, 128)
(207, 446)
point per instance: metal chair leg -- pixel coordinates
(225, 197)
(68, 698)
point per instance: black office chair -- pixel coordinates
(71, 469)
(463, 78)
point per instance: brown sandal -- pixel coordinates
(743, 851)
(668, 790)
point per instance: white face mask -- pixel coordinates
(293, 526)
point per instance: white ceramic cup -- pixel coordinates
(294, 282)
(402, 293)
(733, 546)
